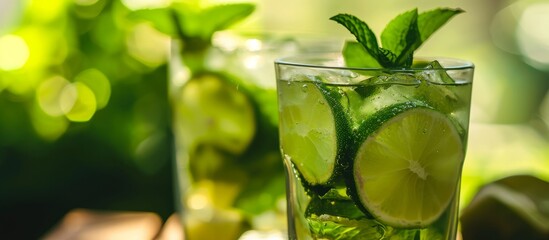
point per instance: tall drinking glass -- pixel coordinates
(229, 175)
(373, 153)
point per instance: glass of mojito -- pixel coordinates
(229, 173)
(373, 153)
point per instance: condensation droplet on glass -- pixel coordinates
(304, 88)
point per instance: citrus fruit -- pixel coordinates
(212, 110)
(407, 168)
(313, 130)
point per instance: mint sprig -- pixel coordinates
(204, 22)
(400, 39)
(193, 24)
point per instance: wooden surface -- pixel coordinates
(84, 224)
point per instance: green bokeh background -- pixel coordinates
(84, 115)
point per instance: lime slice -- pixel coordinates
(212, 110)
(313, 130)
(406, 171)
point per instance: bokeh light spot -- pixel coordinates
(98, 83)
(533, 36)
(46, 126)
(45, 11)
(148, 155)
(252, 62)
(78, 102)
(14, 52)
(148, 45)
(48, 95)
(254, 45)
(67, 97)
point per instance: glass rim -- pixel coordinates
(306, 61)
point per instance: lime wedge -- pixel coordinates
(406, 170)
(313, 130)
(211, 110)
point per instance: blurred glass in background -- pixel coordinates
(84, 119)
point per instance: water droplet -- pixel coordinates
(304, 88)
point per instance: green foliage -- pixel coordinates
(51, 160)
(401, 37)
(339, 228)
(334, 204)
(192, 24)
(363, 34)
(355, 56)
(160, 18)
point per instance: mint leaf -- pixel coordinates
(159, 18)
(187, 19)
(387, 58)
(430, 21)
(221, 17)
(356, 56)
(361, 31)
(401, 37)
(339, 208)
(191, 23)
(335, 194)
(203, 23)
(339, 228)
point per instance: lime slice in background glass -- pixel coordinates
(407, 169)
(213, 111)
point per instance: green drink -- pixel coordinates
(230, 180)
(229, 175)
(373, 153)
